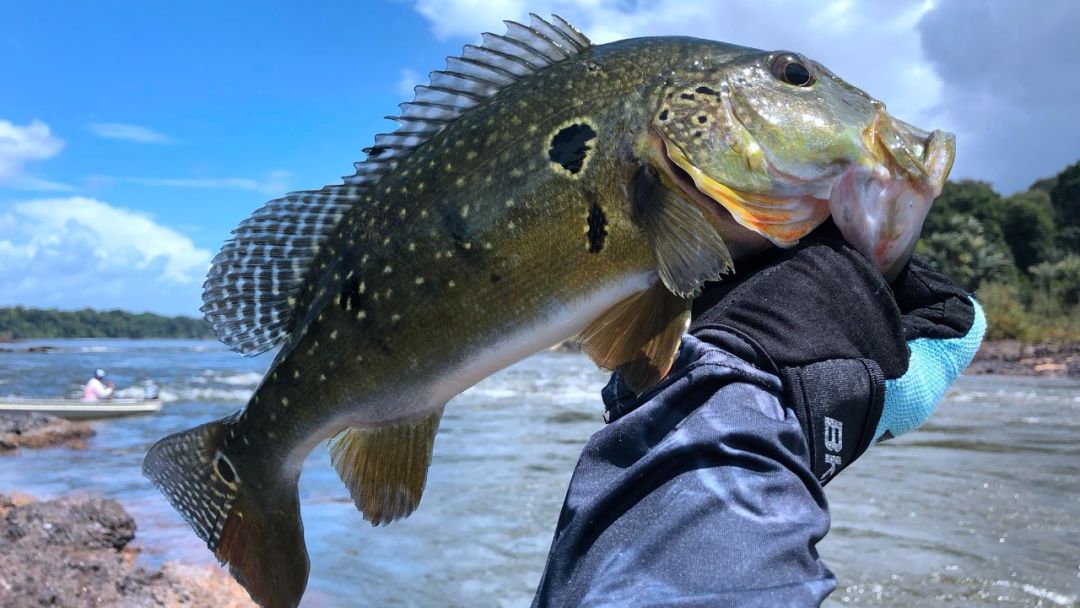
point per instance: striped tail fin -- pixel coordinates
(251, 524)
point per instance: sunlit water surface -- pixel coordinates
(979, 508)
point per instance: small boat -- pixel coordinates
(74, 409)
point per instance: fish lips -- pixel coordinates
(880, 208)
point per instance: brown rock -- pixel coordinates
(74, 552)
(36, 430)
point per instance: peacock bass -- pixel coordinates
(540, 188)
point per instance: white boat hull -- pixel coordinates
(72, 409)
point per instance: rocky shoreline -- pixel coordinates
(76, 552)
(1012, 358)
(38, 431)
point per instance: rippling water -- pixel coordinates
(979, 508)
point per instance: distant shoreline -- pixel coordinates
(21, 323)
(1001, 357)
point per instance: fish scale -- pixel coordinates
(537, 189)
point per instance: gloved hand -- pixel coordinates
(943, 327)
(859, 360)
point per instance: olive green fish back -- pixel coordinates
(251, 292)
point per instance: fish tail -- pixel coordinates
(249, 522)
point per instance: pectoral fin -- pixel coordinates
(686, 247)
(385, 468)
(639, 336)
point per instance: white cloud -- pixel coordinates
(76, 252)
(275, 183)
(133, 133)
(872, 45)
(20, 145)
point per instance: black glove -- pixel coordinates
(823, 319)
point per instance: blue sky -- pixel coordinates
(134, 136)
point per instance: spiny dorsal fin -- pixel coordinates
(639, 336)
(385, 468)
(250, 292)
(478, 74)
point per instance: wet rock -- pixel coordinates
(36, 431)
(75, 552)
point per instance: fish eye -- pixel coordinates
(792, 69)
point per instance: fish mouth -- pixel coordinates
(878, 204)
(783, 221)
(880, 207)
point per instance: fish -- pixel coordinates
(539, 188)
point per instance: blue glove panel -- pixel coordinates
(934, 365)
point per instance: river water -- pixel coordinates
(981, 507)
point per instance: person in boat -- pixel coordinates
(707, 489)
(98, 388)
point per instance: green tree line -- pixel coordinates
(1020, 254)
(22, 323)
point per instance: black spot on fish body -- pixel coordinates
(597, 232)
(225, 469)
(704, 90)
(702, 119)
(351, 298)
(664, 114)
(687, 96)
(456, 226)
(569, 147)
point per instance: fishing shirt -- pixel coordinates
(698, 492)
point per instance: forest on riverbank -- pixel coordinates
(19, 323)
(1020, 254)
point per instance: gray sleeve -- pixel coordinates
(700, 494)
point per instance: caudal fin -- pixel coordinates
(251, 523)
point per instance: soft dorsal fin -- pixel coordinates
(250, 292)
(251, 289)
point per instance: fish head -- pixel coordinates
(782, 144)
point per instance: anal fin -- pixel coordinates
(639, 336)
(385, 468)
